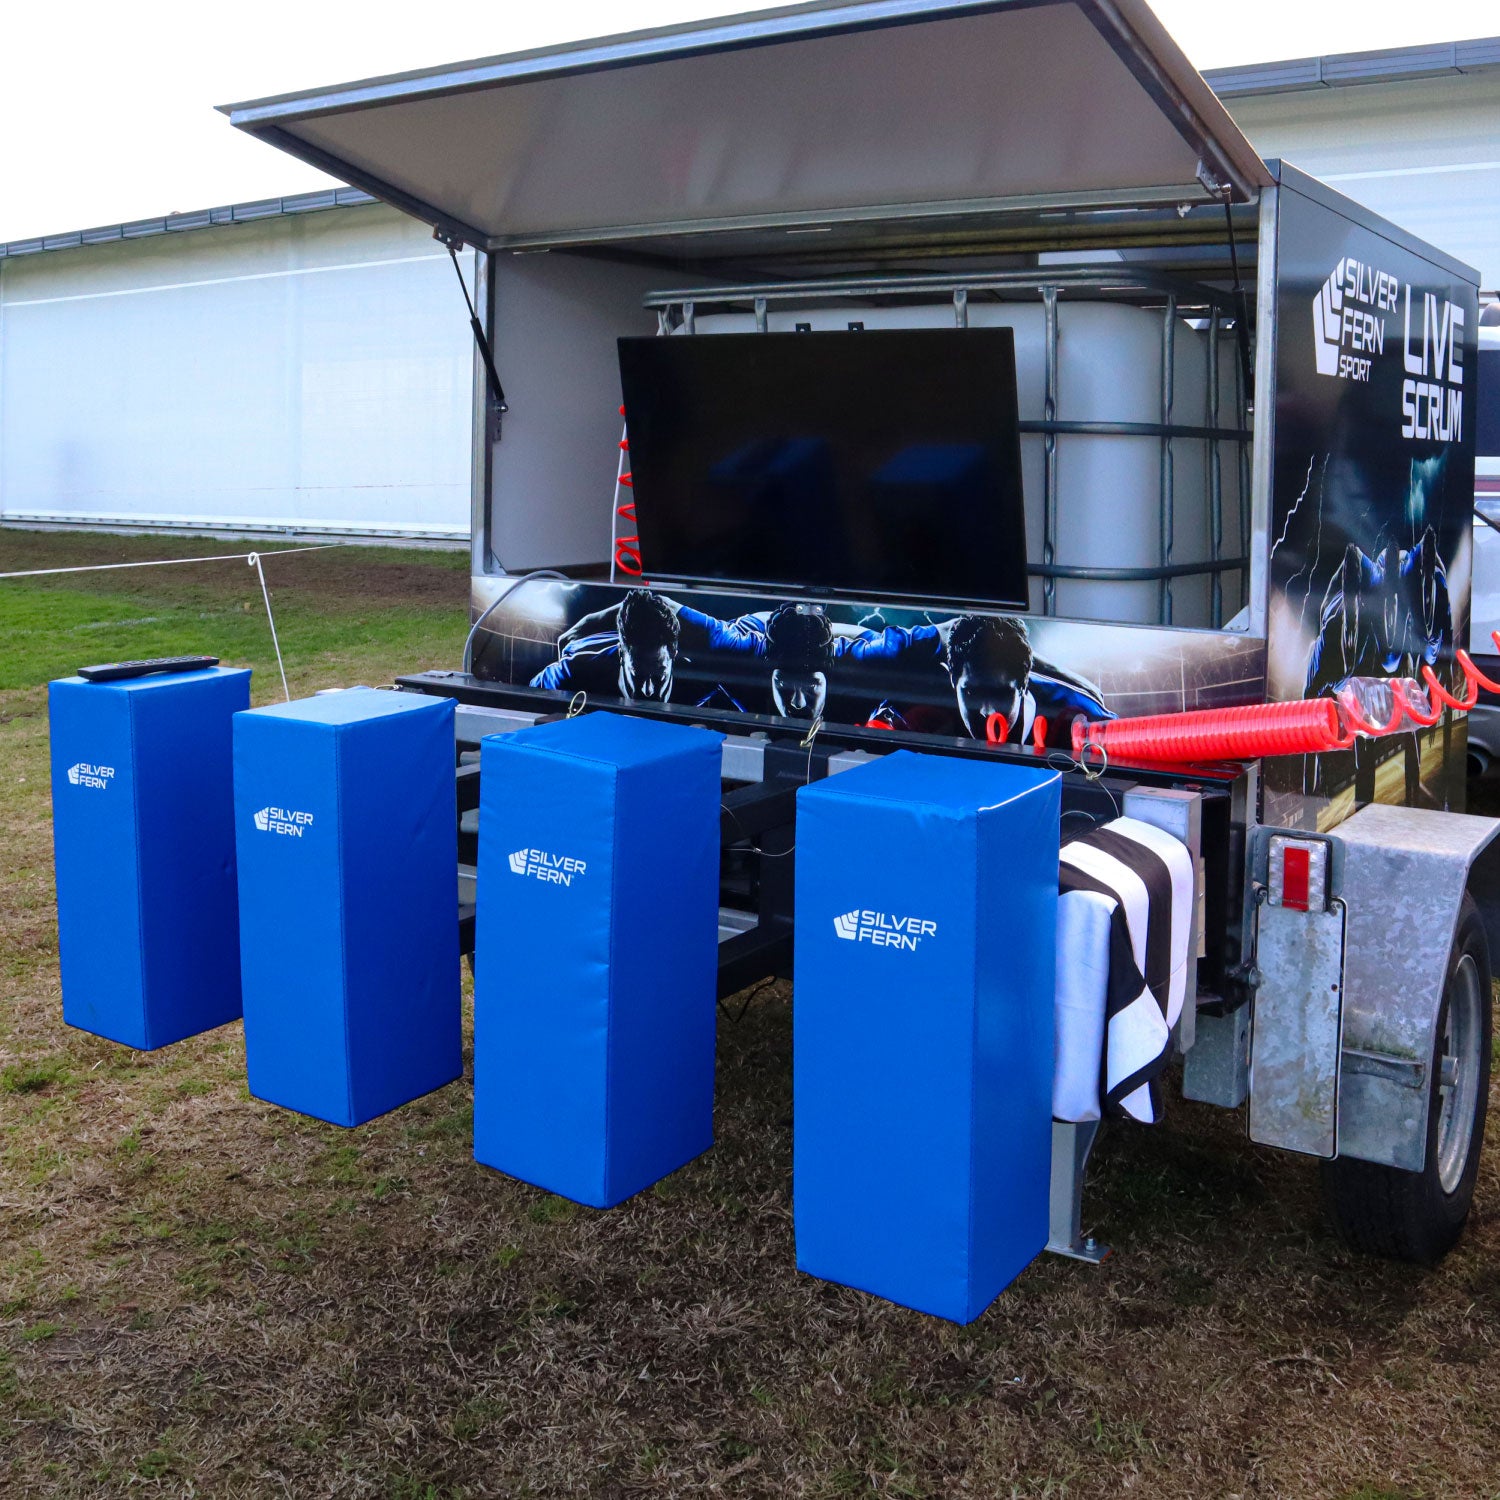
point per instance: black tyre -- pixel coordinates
(1418, 1216)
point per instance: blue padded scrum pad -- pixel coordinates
(143, 838)
(596, 953)
(348, 854)
(922, 1027)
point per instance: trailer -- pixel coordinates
(1243, 414)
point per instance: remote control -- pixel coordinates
(115, 671)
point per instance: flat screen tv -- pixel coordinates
(877, 464)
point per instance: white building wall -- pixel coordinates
(1423, 153)
(313, 373)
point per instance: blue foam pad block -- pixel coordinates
(596, 953)
(348, 858)
(143, 839)
(922, 1027)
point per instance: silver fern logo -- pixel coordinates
(883, 929)
(550, 869)
(83, 774)
(285, 821)
(1346, 333)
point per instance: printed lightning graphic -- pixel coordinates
(1317, 557)
(1296, 505)
(1310, 568)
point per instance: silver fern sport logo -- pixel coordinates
(883, 929)
(550, 869)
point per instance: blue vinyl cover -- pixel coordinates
(596, 953)
(922, 1027)
(348, 856)
(143, 840)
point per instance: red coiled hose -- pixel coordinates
(1307, 726)
(627, 548)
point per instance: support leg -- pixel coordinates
(1071, 1144)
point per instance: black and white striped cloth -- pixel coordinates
(1124, 919)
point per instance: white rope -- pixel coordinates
(252, 558)
(169, 562)
(265, 593)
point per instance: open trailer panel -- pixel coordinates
(1245, 421)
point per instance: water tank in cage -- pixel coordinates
(1110, 494)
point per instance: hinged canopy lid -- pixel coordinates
(832, 112)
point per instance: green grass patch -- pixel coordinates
(326, 603)
(31, 1078)
(552, 1210)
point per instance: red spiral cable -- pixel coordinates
(1354, 714)
(1307, 726)
(1470, 670)
(1423, 716)
(1438, 692)
(627, 548)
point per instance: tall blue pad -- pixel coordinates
(596, 953)
(344, 810)
(143, 838)
(922, 1027)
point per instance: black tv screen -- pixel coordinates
(875, 463)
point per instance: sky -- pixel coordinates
(107, 110)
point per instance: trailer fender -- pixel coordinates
(1405, 874)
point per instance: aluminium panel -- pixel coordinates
(804, 112)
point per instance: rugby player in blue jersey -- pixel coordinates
(988, 659)
(630, 649)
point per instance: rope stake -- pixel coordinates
(265, 593)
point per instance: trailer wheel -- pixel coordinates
(1418, 1216)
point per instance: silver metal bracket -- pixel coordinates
(1213, 182)
(1299, 999)
(1071, 1144)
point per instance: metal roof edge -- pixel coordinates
(1298, 181)
(1474, 55)
(703, 33)
(1130, 27)
(203, 218)
(1342, 69)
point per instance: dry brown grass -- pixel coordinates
(201, 1294)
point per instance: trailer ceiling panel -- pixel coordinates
(811, 115)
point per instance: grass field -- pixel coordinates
(201, 1294)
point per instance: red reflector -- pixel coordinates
(1294, 872)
